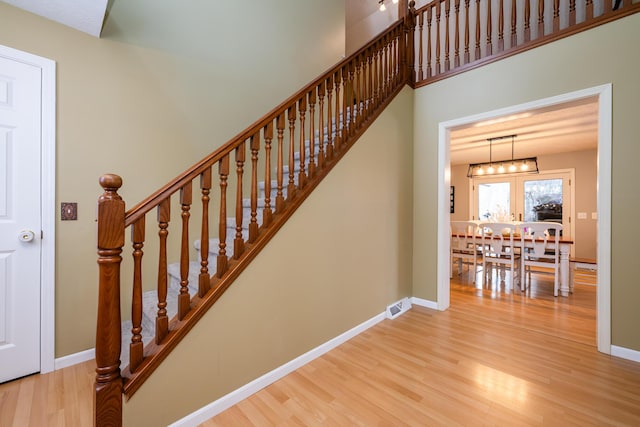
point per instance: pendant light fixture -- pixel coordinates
(383, 7)
(503, 167)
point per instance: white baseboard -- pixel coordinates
(225, 402)
(73, 359)
(424, 303)
(625, 353)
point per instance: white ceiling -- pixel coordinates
(562, 128)
(83, 15)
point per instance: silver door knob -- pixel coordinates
(26, 235)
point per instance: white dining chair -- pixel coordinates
(541, 241)
(464, 248)
(500, 250)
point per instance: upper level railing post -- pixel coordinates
(409, 49)
(107, 401)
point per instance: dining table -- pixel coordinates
(564, 245)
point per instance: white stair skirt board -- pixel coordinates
(225, 402)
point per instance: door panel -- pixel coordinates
(20, 221)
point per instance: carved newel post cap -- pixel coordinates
(110, 181)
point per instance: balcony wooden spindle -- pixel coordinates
(345, 113)
(291, 187)
(352, 101)
(253, 223)
(385, 68)
(302, 174)
(456, 57)
(429, 41)
(556, 14)
(311, 170)
(420, 46)
(338, 121)
(394, 60)
(438, 15)
(356, 92)
(204, 279)
(330, 120)
(370, 82)
(184, 299)
(374, 72)
(514, 24)
(541, 18)
(321, 125)
(238, 241)
(607, 6)
(392, 63)
(447, 13)
(500, 25)
(467, 25)
(527, 21)
(267, 212)
(478, 52)
(107, 402)
(572, 13)
(280, 167)
(162, 320)
(588, 10)
(382, 79)
(489, 50)
(137, 346)
(222, 260)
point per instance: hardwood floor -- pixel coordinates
(61, 398)
(496, 357)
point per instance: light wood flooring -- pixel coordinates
(495, 358)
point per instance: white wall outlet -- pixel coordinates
(594, 215)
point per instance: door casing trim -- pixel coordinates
(603, 93)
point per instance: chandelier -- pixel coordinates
(503, 167)
(383, 7)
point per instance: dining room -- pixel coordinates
(527, 166)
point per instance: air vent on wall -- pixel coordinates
(396, 309)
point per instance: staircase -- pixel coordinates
(150, 298)
(346, 100)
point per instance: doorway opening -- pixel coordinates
(602, 96)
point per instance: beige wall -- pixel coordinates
(582, 61)
(129, 107)
(340, 260)
(585, 165)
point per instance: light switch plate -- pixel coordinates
(69, 211)
(594, 215)
(582, 215)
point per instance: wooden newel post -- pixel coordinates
(409, 49)
(107, 402)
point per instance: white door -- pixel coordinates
(20, 218)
